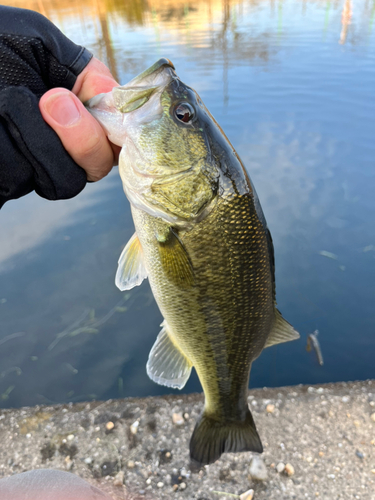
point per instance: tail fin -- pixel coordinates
(211, 438)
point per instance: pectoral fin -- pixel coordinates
(282, 331)
(166, 364)
(131, 270)
(175, 259)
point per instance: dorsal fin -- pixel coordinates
(131, 270)
(282, 331)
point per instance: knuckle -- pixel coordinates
(91, 146)
(95, 157)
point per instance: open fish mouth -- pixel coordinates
(152, 72)
(137, 92)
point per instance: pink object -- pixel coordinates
(48, 484)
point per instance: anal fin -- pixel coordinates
(166, 364)
(282, 331)
(131, 270)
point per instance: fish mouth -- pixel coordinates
(139, 90)
(151, 72)
(114, 109)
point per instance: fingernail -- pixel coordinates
(63, 109)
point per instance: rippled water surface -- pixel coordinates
(292, 83)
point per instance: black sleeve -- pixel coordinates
(34, 57)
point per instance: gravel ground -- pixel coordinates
(138, 448)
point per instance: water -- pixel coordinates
(292, 85)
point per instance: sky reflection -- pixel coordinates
(292, 85)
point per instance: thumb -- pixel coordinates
(81, 135)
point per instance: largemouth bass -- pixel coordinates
(202, 240)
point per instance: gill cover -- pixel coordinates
(165, 162)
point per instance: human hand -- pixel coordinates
(81, 135)
(55, 159)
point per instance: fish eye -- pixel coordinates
(184, 112)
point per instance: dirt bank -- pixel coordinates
(326, 433)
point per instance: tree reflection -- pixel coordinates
(190, 18)
(345, 20)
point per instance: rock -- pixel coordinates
(257, 469)
(160, 484)
(70, 437)
(48, 451)
(280, 467)
(183, 486)
(88, 460)
(119, 478)
(178, 419)
(359, 454)
(134, 427)
(69, 463)
(225, 475)
(247, 495)
(372, 416)
(289, 470)
(109, 426)
(130, 464)
(270, 408)
(165, 456)
(68, 450)
(109, 468)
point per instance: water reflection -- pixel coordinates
(291, 84)
(345, 20)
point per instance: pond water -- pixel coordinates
(292, 84)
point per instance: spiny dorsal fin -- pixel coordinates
(131, 270)
(175, 260)
(282, 331)
(166, 364)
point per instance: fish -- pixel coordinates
(202, 241)
(313, 342)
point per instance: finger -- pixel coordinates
(94, 79)
(80, 133)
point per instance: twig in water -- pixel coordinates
(226, 494)
(11, 336)
(312, 341)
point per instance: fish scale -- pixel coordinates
(228, 307)
(202, 240)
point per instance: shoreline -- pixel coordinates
(139, 447)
